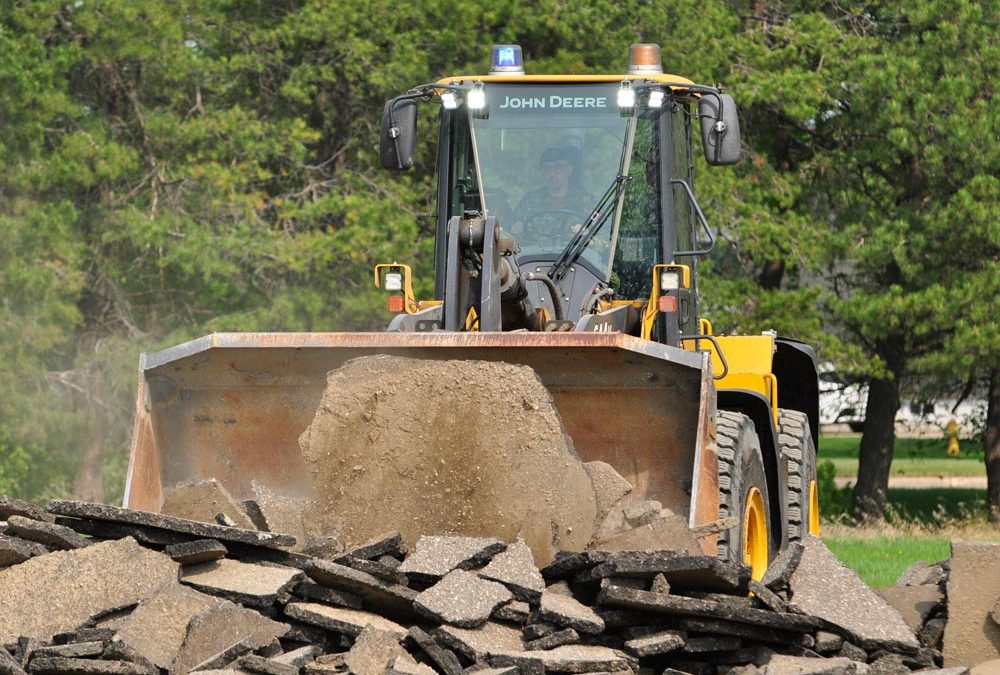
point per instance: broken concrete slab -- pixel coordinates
(827, 643)
(14, 550)
(84, 635)
(780, 664)
(705, 573)
(766, 596)
(374, 650)
(823, 587)
(281, 513)
(50, 534)
(157, 627)
(223, 634)
(203, 500)
(56, 665)
(567, 659)
(197, 551)
(780, 570)
(567, 564)
(9, 506)
(156, 521)
(478, 643)
(407, 666)
(366, 464)
(386, 544)
(609, 486)
(245, 583)
(228, 656)
(437, 555)
(749, 631)
(341, 619)
(9, 665)
(971, 636)
(556, 638)
(443, 658)
(307, 590)
(921, 573)
(515, 568)
(660, 642)
(73, 650)
(266, 666)
(106, 576)
(393, 599)
(462, 599)
(682, 606)
(564, 610)
(515, 611)
(914, 603)
(659, 584)
(376, 569)
(298, 657)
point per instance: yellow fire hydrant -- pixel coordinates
(951, 430)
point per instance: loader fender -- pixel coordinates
(795, 368)
(758, 409)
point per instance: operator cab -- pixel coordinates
(589, 177)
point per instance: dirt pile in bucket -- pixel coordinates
(464, 447)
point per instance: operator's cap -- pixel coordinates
(555, 154)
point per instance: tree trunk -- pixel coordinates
(875, 457)
(991, 443)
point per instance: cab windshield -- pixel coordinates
(545, 157)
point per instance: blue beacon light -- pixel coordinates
(506, 60)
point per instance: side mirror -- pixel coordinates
(399, 134)
(720, 133)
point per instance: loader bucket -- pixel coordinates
(231, 406)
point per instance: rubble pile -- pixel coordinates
(88, 588)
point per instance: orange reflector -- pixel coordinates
(394, 303)
(667, 303)
(644, 57)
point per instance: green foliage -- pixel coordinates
(834, 501)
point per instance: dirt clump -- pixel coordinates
(464, 447)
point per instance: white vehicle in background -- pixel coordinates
(842, 401)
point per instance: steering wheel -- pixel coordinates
(554, 232)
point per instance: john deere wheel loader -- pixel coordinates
(568, 236)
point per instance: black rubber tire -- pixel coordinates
(797, 446)
(741, 467)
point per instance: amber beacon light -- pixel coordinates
(644, 58)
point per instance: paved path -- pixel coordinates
(976, 482)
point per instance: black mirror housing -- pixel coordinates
(399, 134)
(720, 133)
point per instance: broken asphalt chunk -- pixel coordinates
(437, 555)
(393, 599)
(50, 534)
(107, 576)
(564, 610)
(341, 619)
(248, 584)
(515, 568)
(462, 599)
(156, 521)
(197, 551)
(823, 587)
(681, 606)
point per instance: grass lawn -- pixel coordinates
(920, 524)
(912, 457)
(880, 559)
